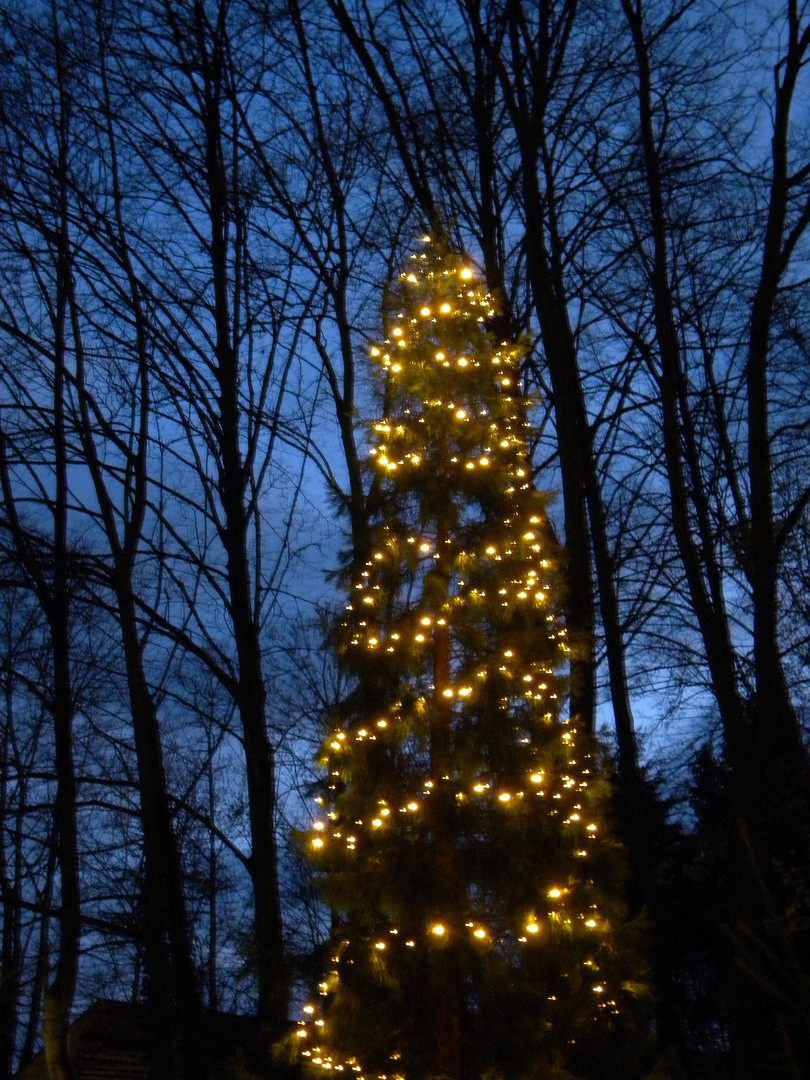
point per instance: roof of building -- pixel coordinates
(110, 1041)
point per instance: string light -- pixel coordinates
(457, 640)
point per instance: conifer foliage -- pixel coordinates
(460, 842)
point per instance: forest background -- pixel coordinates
(200, 205)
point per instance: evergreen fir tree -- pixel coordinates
(461, 844)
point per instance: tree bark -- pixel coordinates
(446, 994)
(251, 693)
(173, 981)
(11, 952)
(550, 300)
(59, 995)
(40, 980)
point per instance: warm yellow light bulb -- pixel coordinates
(466, 273)
(438, 930)
(532, 927)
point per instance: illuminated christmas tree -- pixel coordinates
(460, 841)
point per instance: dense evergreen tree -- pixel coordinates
(477, 924)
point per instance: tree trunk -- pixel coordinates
(232, 483)
(446, 999)
(10, 912)
(549, 297)
(573, 439)
(173, 982)
(59, 995)
(585, 519)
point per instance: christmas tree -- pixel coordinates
(460, 840)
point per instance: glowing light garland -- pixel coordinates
(452, 635)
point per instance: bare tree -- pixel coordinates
(54, 217)
(22, 859)
(226, 328)
(763, 739)
(44, 560)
